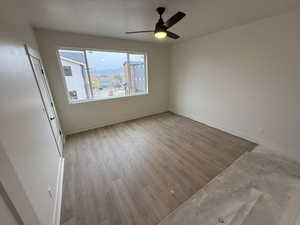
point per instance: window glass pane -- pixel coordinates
(107, 72)
(137, 71)
(74, 68)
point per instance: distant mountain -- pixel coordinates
(113, 71)
(110, 71)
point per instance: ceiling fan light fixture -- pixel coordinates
(161, 27)
(160, 34)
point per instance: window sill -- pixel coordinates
(107, 99)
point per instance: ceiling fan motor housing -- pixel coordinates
(160, 27)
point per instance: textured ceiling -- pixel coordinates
(113, 17)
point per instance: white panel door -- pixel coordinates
(49, 107)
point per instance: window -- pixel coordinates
(99, 75)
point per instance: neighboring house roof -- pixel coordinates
(75, 56)
(72, 61)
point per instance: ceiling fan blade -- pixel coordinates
(174, 19)
(172, 35)
(137, 32)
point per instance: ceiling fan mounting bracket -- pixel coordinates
(160, 10)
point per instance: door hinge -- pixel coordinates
(51, 104)
(42, 71)
(60, 133)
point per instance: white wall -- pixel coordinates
(28, 155)
(244, 80)
(77, 117)
(7, 218)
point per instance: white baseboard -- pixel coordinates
(107, 123)
(217, 126)
(58, 195)
(275, 148)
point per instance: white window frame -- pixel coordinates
(128, 52)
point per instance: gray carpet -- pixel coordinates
(260, 188)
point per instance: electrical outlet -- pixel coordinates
(50, 191)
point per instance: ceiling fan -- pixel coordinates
(161, 27)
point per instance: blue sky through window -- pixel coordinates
(106, 63)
